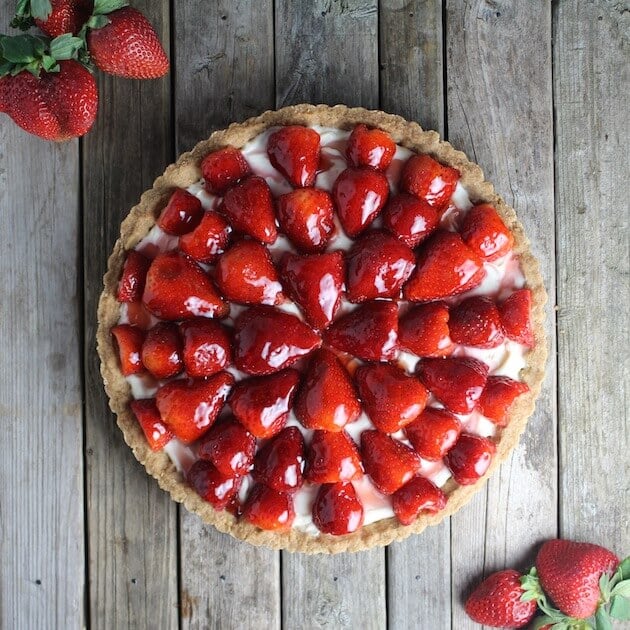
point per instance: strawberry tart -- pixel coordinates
(321, 329)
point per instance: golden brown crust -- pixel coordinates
(184, 173)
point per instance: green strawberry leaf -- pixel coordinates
(19, 49)
(624, 567)
(5, 67)
(604, 586)
(622, 588)
(539, 622)
(97, 21)
(102, 7)
(49, 64)
(41, 9)
(602, 619)
(620, 608)
(65, 47)
(21, 22)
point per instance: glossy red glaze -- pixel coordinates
(337, 509)
(207, 347)
(181, 214)
(212, 485)
(269, 509)
(229, 446)
(470, 458)
(294, 151)
(208, 240)
(429, 180)
(417, 496)
(476, 322)
(423, 330)
(162, 350)
(332, 457)
(148, 416)
(279, 464)
(370, 147)
(129, 340)
(485, 233)
(222, 169)
(497, 397)
(410, 219)
(133, 278)
(433, 433)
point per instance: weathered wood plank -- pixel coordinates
(418, 569)
(224, 59)
(132, 523)
(499, 104)
(591, 80)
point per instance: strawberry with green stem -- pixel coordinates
(53, 17)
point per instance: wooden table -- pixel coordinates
(536, 93)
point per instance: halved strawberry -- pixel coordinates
(222, 169)
(485, 233)
(427, 179)
(189, 407)
(332, 457)
(148, 416)
(417, 496)
(294, 151)
(470, 458)
(327, 399)
(370, 147)
(433, 433)
(245, 274)
(423, 330)
(446, 266)
(212, 485)
(280, 462)
(133, 277)
(162, 350)
(267, 340)
(456, 382)
(410, 219)
(315, 283)
(498, 395)
(378, 266)
(129, 340)
(306, 217)
(515, 313)
(208, 240)
(390, 463)
(337, 509)
(370, 332)
(359, 194)
(139, 316)
(177, 288)
(262, 403)
(249, 207)
(475, 322)
(181, 214)
(268, 509)
(207, 347)
(391, 398)
(229, 446)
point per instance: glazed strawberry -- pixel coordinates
(66, 16)
(262, 403)
(306, 217)
(229, 446)
(475, 322)
(446, 266)
(429, 180)
(222, 169)
(423, 330)
(212, 485)
(134, 275)
(189, 407)
(177, 288)
(370, 332)
(497, 602)
(148, 416)
(410, 219)
(337, 509)
(129, 340)
(515, 313)
(417, 496)
(456, 382)
(294, 151)
(359, 194)
(267, 340)
(268, 509)
(390, 463)
(162, 351)
(470, 458)
(139, 316)
(280, 462)
(249, 207)
(378, 266)
(182, 213)
(207, 347)
(332, 457)
(498, 395)
(315, 283)
(208, 240)
(570, 571)
(327, 399)
(391, 398)
(127, 45)
(370, 147)
(245, 274)
(433, 433)
(485, 233)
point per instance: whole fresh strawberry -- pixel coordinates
(53, 17)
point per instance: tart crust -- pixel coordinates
(185, 172)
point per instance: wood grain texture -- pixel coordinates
(225, 73)
(499, 103)
(591, 81)
(132, 524)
